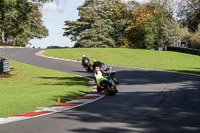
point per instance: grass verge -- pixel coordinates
(28, 88)
(160, 60)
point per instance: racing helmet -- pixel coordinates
(97, 69)
(94, 60)
(83, 55)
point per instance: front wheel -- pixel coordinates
(91, 69)
(110, 89)
(99, 89)
(115, 78)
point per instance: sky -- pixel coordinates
(54, 15)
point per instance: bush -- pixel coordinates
(193, 39)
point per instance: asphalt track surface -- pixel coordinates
(148, 101)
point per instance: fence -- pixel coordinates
(184, 50)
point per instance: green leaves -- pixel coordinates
(101, 24)
(145, 27)
(7, 2)
(21, 21)
(189, 13)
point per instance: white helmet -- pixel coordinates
(83, 55)
(94, 60)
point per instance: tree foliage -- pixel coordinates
(189, 13)
(107, 23)
(195, 39)
(101, 24)
(7, 2)
(170, 28)
(112, 23)
(20, 22)
(145, 27)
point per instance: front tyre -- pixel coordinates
(110, 89)
(99, 89)
(91, 69)
(115, 78)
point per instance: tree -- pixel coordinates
(141, 17)
(195, 39)
(189, 14)
(151, 35)
(5, 15)
(144, 29)
(29, 23)
(165, 13)
(14, 1)
(170, 28)
(21, 21)
(103, 22)
(92, 27)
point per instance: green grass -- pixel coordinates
(8, 46)
(28, 88)
(160, 60)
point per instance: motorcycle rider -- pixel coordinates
(97, 64)
(98, 77)
(98, 74)
(85, 59)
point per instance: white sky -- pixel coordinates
(54, 15)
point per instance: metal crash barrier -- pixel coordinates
(4, 65)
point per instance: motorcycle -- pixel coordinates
(109, 72)
(88, 66)
(109, 86)
(104, 83)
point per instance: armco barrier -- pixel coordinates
(184, 50)
(4, 65)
